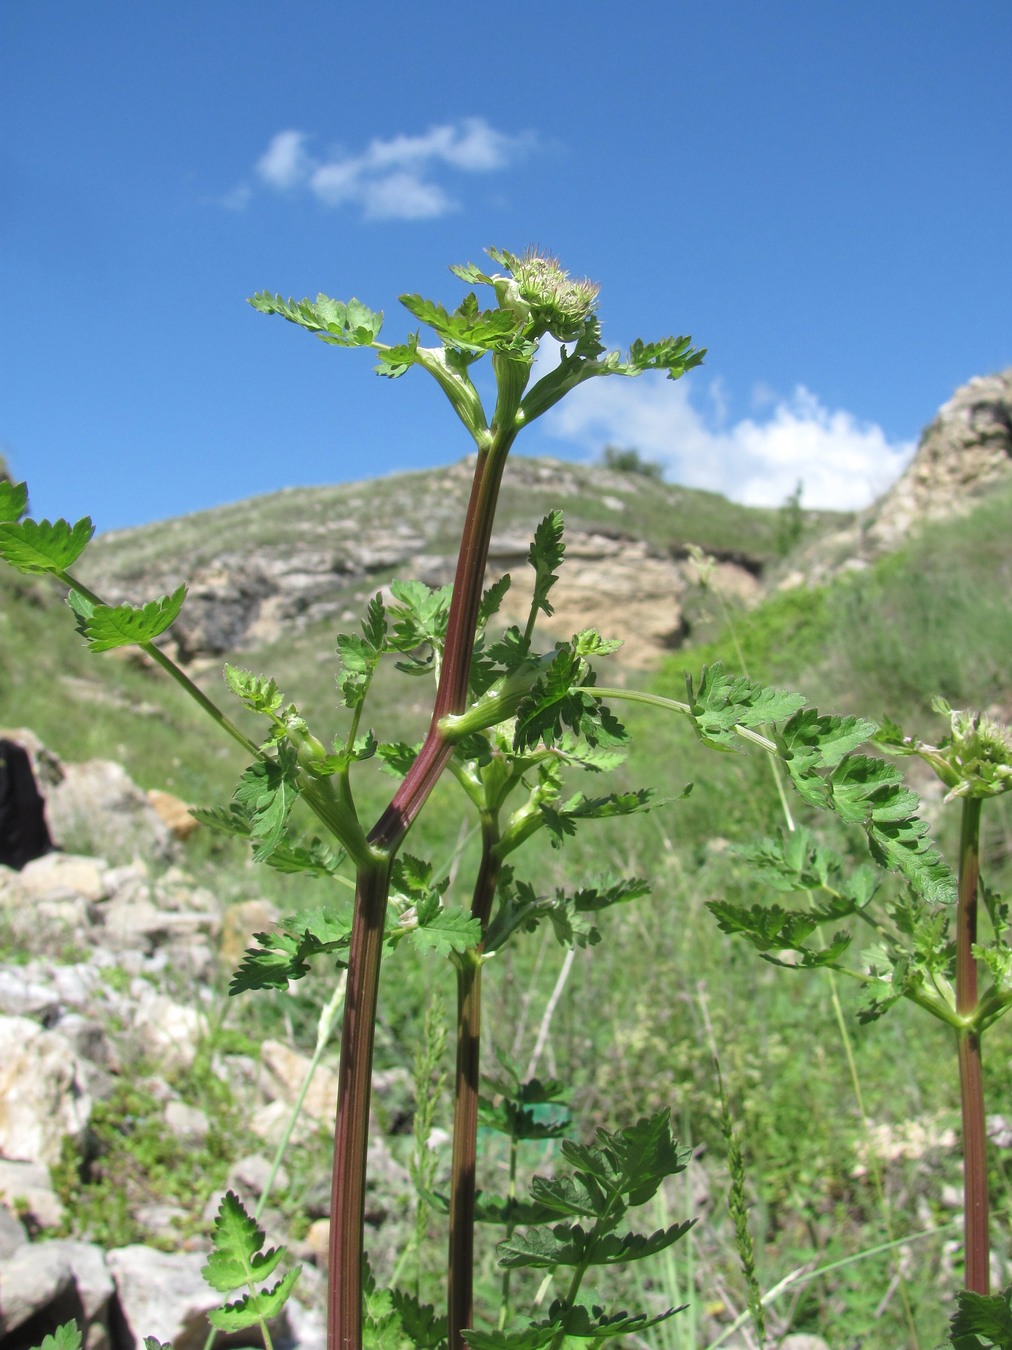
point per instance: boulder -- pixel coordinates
(42, 1092)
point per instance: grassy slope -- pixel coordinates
(631, 1031)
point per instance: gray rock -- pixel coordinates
(12, 1233)
(162, 1294)
(26, 1187)
(98, 805)
(32, 1280)
(42, 1092)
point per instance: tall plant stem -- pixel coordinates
(460, 1288)
(344, 1318)
(971, 1083)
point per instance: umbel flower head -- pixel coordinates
(979, 750)
(540, 289)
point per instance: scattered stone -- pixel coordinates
(26, 1189)
(42, 1092)
(167, 1033)
(249, 1177)
(284, 1071)
(173, 812)
(186, 1121)
(162, 1294)
(65, 874)
(32, 1280)
(13, 1233)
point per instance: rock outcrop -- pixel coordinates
(963, 454)
(247, 592)
(965, 451)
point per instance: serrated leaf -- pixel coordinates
(767, 927)
(810, 741)
(111, 626)
(447, 929)
(252, 1309)
(982, 1321)
(237, 1241)
(397, 756)
(68, 1335)
(223, 820)
(596, 1324)
(525, 1338)
(346, 325)
(492, 599)
(36, 547)
(266, 792)
(867, 789)
(259, 692)
(633, 1161)
(723, 701)
(546, 555)
(13, 505)
(543, 1248)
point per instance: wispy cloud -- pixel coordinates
(844, 463)
(400, 178)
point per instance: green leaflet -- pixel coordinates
(284, 956)
(106, 627)
(723, 701)
(266, 794)
(39, 546)
(68, 1335)
(345, 325)
(982, 1322)
(619, 1169)
(545, 555)
(259, 693)
(468, 327)
(13, 505)
(445, 929)
(236, 1261)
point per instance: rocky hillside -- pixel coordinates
(275, 566)
(280, 564)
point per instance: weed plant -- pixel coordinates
(510, 725)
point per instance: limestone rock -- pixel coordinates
(32, 1280)
(965, 450)
(97, 803)
(173, 812)
(26, 1186)
(42, 1092)
(12, 1233)
(284, 1070)
(162, 1294)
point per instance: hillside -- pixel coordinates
(277, 565)
(847, 1129)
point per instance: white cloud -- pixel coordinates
(844, 463)
(285, 161)
(392, 179)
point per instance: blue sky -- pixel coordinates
(818, 192)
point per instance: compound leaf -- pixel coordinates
(39, 546)
(110, 626)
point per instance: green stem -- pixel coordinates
(460, 1293)
(971, 1083)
